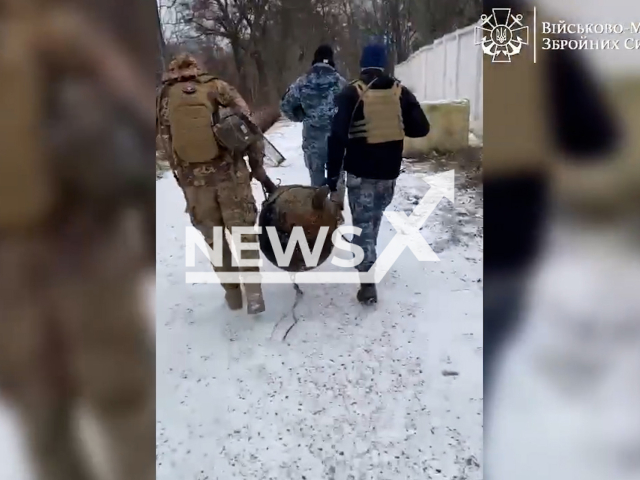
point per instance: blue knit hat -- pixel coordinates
(373, 56)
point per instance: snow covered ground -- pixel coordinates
(567, 397)
(393, 392)
(13, 463)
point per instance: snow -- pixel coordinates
(445, 101)
(354, 393)
(351, 394)
(13, 462)
(475, 140)
(567, 393)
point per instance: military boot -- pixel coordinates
(255, 300)
(367, 295)
(233, 297)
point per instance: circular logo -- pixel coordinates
(502, 38)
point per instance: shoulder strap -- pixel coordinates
(274, 196)
(397, 88)
(359, 84)
(205, 78)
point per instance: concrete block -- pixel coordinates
(449, 121)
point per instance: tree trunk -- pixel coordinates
(263, 78)
(162, 67)
(238, 59)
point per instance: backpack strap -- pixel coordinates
(161, 94)
(359, 84)
(397, 88)
(205, 78)
(362, 88)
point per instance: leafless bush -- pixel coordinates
(266, 117)
(261, 46)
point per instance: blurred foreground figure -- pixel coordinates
(216, 181)
(561, 121)
(374, 115)
(75, 176)
(566, 400)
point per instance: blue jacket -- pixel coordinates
(310, 99)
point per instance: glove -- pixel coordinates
(261, 175)
(268, 185)
(332, 183)
(336, 198)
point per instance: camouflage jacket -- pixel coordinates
(229, 98)
(310, 98)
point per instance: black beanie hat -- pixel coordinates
(323, 54)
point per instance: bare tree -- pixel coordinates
(263, 45)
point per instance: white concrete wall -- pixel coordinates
(448, 69)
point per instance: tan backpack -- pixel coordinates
(191, 113)
(382, 114)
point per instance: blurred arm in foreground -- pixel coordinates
(562, 259)
(560, 115)
(75, 178)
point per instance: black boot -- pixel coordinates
(367, 295)
(233, 297)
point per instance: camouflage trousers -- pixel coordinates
(228, 203)
(368, 198)
(73, 334)
(161, 152)
(314, 146)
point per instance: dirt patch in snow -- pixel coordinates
(457, 224)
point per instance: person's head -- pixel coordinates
(323, 54)
(183, 65)
(373, 56)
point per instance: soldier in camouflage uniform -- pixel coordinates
(374, 115)
(311, 100)
(216, 184)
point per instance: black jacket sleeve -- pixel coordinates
(581, 121)
(415, 121)
(345, 101)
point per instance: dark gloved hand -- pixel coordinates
(336, 198)
(298, 114)
(261, 175)
(332, 183)
(269, 186)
